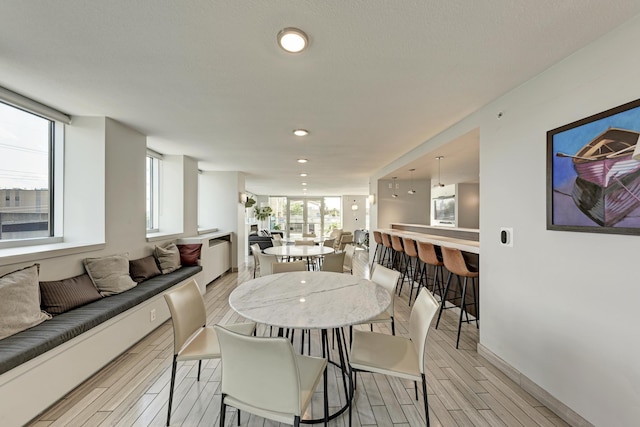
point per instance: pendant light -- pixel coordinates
(412, 191)
(439, 184)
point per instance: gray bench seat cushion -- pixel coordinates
(28, 344)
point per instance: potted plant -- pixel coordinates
(250, 202)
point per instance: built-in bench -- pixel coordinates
(41, 364)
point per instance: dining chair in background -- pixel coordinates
(349, 252)
(265, 377)
(333, 262)
(255, 250)
(266, 264)
(388, 279)
(284, 267)
(396, 356)
(192, 339)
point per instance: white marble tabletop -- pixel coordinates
(309, 300)
(298, 251)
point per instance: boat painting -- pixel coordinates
(593, 181)
(607, 188)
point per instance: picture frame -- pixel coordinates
(593, 178)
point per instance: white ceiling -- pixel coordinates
(205, 77)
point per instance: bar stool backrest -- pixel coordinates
(386, 240)
(409, 247)
(427, 254)
(377, 237)
(455, 263)
(396, 243)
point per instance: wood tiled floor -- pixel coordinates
(463, 388)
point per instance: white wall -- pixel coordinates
(559, 307)
(219, 205)
(406, 208)
(352, 220)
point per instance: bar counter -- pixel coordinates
(470, 249)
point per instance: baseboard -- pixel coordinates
(551, 402)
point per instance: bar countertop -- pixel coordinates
(470, 246)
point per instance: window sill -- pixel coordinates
(21, 254)
(154, 237)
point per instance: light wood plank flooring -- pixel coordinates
(463, 388)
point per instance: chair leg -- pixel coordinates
(296, 421)
(426, 401)
(238, 417)
(393, 325)
(199, 368)
(173, 381)
(443, 300)
(415, 386)
(462, 309)
(350, 402)
(326, 397)
(476, 304)
(223, 411)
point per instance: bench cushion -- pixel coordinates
(28, 344)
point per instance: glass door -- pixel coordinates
(305, 216)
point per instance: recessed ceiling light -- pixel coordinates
(302, 160)
(292, 40)
(303, 174)
(301, 132)
(304, 183)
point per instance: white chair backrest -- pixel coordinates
(304, 243)
(276, 242)
(188, 312)
(388, 279)
(284, 267)
(424, 309)
(333, 262)
(308, 234)
(349, 250)
(276, 236)
(255, 250)
(266, 264)
(328, 243)
(261, 372)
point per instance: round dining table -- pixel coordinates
(312, 300)
(305, 251)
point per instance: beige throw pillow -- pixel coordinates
(20, 301)
(110, 274)
(168, 258)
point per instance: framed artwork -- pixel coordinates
(593, 177)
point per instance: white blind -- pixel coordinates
(27, 104)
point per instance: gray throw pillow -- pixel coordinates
(110, 274)
(20, 301)
(168, 258)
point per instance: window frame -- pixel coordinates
(55, 147)
(152, 186)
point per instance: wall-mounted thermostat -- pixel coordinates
(506, 236)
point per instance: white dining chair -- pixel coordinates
(266, 264)
(284, 267)
(349, 252)
(255, 250)
(396, 356)
(388, 279)
(265, 377)
(333, 262)
(192, 339)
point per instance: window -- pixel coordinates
(153, 191)
(26, 174)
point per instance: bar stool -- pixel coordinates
(377, 237)
(388, 249)
(428, 254)
(411, 269)
(455, 263)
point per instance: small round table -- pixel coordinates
(312, 300)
